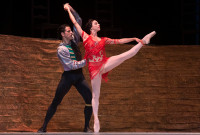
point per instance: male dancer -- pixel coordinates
(70, 57)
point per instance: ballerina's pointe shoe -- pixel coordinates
(147, 38)
(96, 126)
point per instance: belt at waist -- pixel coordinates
(74, 71)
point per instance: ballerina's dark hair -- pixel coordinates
(88, 26)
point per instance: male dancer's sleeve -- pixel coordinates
(79, 21)
(67, 62)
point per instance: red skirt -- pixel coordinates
(95, 67)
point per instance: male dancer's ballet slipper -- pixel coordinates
(42, 130)
(88, 130)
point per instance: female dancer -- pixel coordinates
(98, 64)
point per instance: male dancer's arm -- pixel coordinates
(79, 21)
(67, 62)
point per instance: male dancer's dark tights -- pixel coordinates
(68, 79)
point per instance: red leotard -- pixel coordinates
(95, 55)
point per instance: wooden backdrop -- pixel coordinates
(156, 91)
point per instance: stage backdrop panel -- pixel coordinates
(158, 90)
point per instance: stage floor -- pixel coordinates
(101, 133)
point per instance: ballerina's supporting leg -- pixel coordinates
(96, 84)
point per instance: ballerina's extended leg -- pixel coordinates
(115, 61)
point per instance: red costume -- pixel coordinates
(96, 55)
